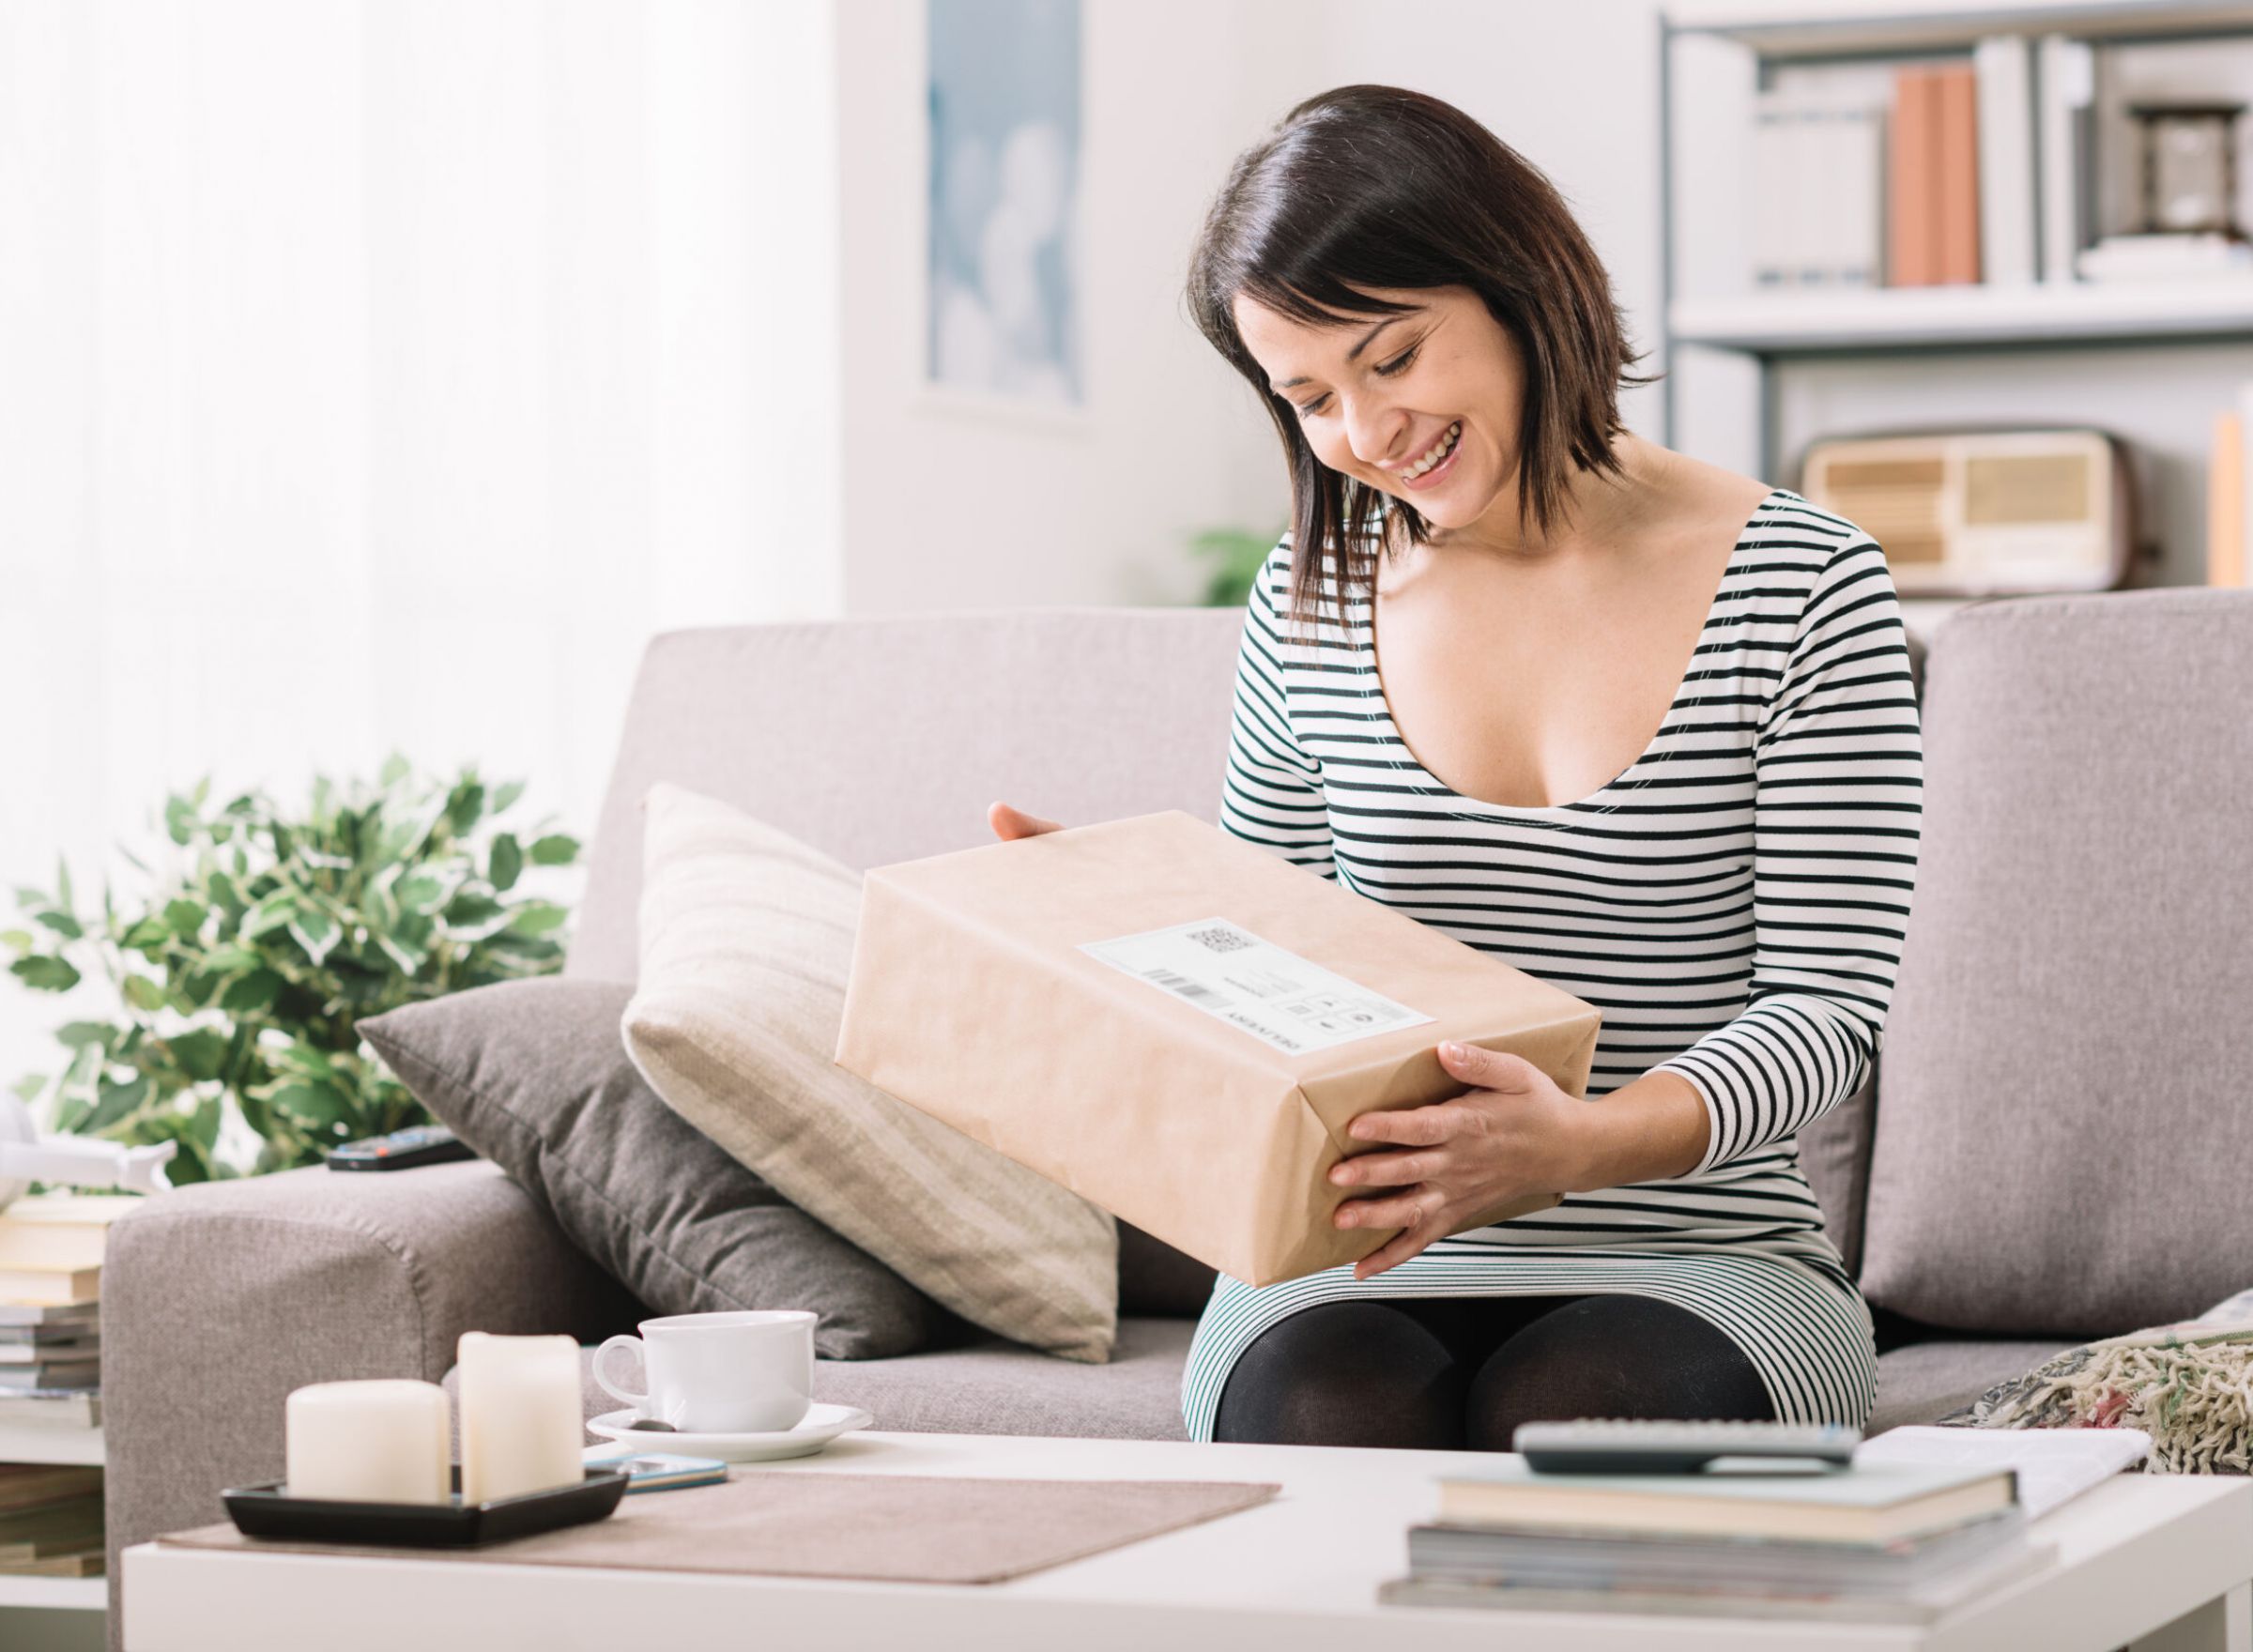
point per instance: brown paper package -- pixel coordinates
(971, 999)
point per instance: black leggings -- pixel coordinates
(1456, 1372)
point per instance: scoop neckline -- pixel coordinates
(1690, 674)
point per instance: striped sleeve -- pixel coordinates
(1838, 779)
(1272, 794)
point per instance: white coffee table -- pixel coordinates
(2159, 1562)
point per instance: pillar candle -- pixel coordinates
(376, 1441)
(523, 1426)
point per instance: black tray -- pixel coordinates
(268, 1510)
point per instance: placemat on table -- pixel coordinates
(902, 1528)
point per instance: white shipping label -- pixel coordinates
(1228, 972)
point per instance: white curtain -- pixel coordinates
(382, 373)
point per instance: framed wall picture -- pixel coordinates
(1002, 322)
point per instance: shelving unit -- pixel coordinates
(1756, 372)
(28, 1605)
(1953, 317)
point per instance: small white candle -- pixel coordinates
(382, 1440)
(523, 1426)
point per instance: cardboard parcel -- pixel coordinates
(1178, 1026)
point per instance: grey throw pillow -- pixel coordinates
(534, 1075)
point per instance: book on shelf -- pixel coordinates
(1865, 1503)
(2226, 500)
(54, 1531)
(90, 1563)
(50, 1287)
(30, 1344)
(28, 1486)
(1933, 187)
(2066, 72)
(2003, 66)
(41, 1316)
(1822, 222)
(75, 1408)
(1912, 224)
(53, 1374)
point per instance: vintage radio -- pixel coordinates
(1988, 511)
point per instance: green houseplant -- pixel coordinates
(236, 982)
(1235, 555)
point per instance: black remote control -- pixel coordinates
(402, 1150)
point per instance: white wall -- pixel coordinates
(947, 505)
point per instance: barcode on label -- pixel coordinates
(1221, 939)
(1183, 985)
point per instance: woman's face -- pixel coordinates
(1379, 396)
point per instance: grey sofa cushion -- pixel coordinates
(1926, 1381)
(2061, 1144)
(994, 1386)
(1834, 1150)
(534, 1075)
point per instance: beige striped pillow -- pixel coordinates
(746, 938)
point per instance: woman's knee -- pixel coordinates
(1344, 1373)
(1613, 1356)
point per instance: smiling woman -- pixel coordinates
(1372, 202)
(1644, 728)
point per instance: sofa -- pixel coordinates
(2088, 760)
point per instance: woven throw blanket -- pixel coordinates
(2189, 1385)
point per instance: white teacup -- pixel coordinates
(743, 1372)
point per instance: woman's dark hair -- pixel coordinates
(1380, 187)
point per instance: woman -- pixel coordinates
(1437, 346)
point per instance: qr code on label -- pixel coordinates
(1221, 939)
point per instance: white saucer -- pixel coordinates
(821, 1424)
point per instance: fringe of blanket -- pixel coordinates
(2194, 1395)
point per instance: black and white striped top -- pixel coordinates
(1734, 903)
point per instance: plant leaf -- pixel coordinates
(271, 913)
(202, 1053)
(251, 994)
(503, 862)
(43, 973)
(317, 1107)
(537, 917)
(557, 849)
(315, 931)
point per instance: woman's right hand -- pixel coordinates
(1009, 823)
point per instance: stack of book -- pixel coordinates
(50, 1520)
(1891, 1542)
(51, 1250)
(1982, 167)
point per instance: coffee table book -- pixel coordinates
(1866, 1504)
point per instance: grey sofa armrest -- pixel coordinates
(219, 1299)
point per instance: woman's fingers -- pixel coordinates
(1009, 823)
(1412, 1126)
(1398, 1210)
(1395, 1250)
(1387, 1169)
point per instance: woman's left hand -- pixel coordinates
(1516, 1133)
